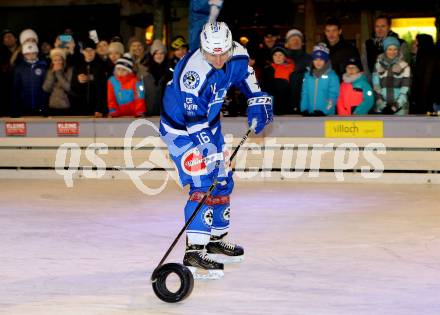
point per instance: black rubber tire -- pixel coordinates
(159, 278)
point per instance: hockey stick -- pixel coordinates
(202, 202)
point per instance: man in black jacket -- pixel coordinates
(340, 49)
(89, 84)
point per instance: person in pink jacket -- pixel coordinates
(355, 94)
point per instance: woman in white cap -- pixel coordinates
(57, 83)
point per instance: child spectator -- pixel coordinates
(276, 78)
(57, 83)
(89, 84)
(391, 80)
(157, 76)
(355, 95)
(125, 95)
(320, 89)
(29, 99)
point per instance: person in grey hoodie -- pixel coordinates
(57, 83)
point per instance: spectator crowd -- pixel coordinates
(105, 78)
(92, 77)
(386, 77)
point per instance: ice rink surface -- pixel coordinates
(311, 249)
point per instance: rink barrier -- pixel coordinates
(412, 146)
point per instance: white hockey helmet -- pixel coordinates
(216, 38)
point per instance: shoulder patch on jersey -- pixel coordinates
(194, 74)
(239, 50)
(191, 80)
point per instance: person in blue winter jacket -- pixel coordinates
(190, 126)
(320, 88)
(29, 98)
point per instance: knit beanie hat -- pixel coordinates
(28, 34)
(294, 32)
(30, 47)
(58, 52)
(391, 41)
(116, 47)
(355, 62)
(321, 51)
(125, 62)
(157, 46)
(279, 48)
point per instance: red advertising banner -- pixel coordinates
(67, 128)
(15, 128)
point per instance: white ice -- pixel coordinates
(311, 249)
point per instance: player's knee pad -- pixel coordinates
(220, 211)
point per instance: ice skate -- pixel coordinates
(201, 265)
(220, 250)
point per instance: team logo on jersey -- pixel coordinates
(191, 80)
(207, 217)
(226, 214)
(193, 164)
(38, 72)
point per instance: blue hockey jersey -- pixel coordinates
(194, 98)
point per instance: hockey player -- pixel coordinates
(190, 126)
